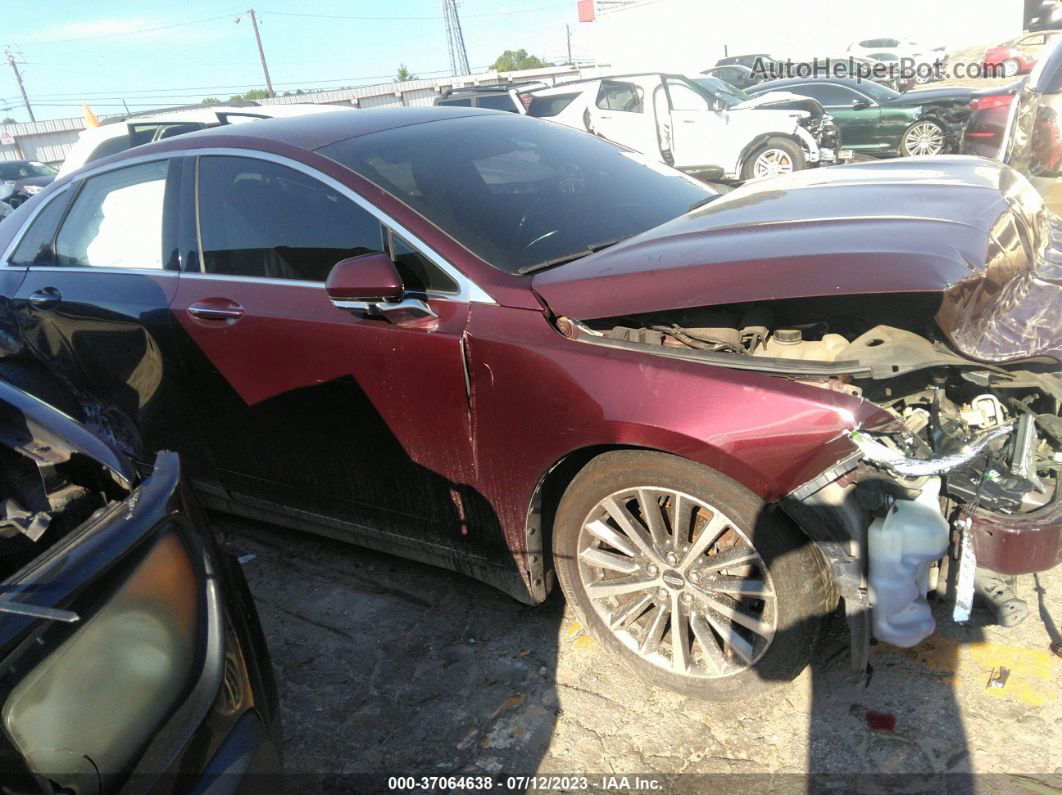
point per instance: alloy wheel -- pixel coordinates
(923, 138)
(677, 582)
(772, 162)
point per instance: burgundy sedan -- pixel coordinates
(517, 351)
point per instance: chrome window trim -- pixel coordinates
(101, 269)
(468, 290)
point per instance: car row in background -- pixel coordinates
(875, 119)
(20, 179)
(129, 644)
(697, 126)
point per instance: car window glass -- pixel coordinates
(683, 97)
(496, 102)
(463, 102)
(36, 246)
(544, 107)
(614, 95)
(262, 219)
(828, 95)
(419, 274)
(116, 220)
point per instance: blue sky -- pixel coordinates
(143, 52)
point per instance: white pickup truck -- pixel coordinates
(697, 125)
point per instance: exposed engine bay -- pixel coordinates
(48, 486)
(975, 448)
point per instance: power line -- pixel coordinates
(133, 32)
(21, 88)
(408, 19)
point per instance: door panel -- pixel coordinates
(619, 114)
(700, 133)
(310, 408)
(95, 302)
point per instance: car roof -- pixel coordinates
(310, 132)
(848, 82)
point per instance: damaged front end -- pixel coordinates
(967, 474)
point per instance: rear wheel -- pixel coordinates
(776, 156)
(691, 579)
(1011, 67)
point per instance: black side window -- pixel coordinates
(261, 219)
(37, 247)
(418, 273)
(614, 95)
(464, 102)
(544, 107)
(496, 102)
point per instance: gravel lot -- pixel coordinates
(389, 667)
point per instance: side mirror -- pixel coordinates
(860, 104)
(369, 285)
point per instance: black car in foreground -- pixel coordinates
(130, 650)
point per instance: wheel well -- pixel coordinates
(765, 138)
(538, 529)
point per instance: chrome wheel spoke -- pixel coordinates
(680, 642)
(634, 530)
(681, 519)
(600, 530)
(709, 533)
(625, 615)
(609, 560)
(735, 614)
(619, 586)
(654, 516)
(651, 642)
(731, 639)
(706, 640)
(735, 556)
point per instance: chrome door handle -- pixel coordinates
(206, 311)
(46, 298)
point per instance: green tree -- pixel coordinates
(403, 74)
(513, 60)
(211, 101)
(246, 96)
(8, 120)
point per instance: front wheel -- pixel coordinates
(923, 138)
(776, 156)
(1011, 67)
(688, 577)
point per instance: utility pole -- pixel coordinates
(21, 88)
(455, 39)
(569, 29)
(261, 52)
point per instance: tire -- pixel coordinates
(785, 151)
(784, 567)
(924, 138)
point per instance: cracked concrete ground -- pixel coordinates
(391, 667)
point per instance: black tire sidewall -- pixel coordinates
(796, 568)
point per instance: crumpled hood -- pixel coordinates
(954, 95)
(971, 229)
(781, 100)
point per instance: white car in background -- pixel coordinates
(700, 125)
(124, 132)
(892, 49)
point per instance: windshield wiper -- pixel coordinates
(552, 263)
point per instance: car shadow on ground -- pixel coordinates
(390, 667)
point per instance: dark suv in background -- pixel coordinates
(502, 96)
